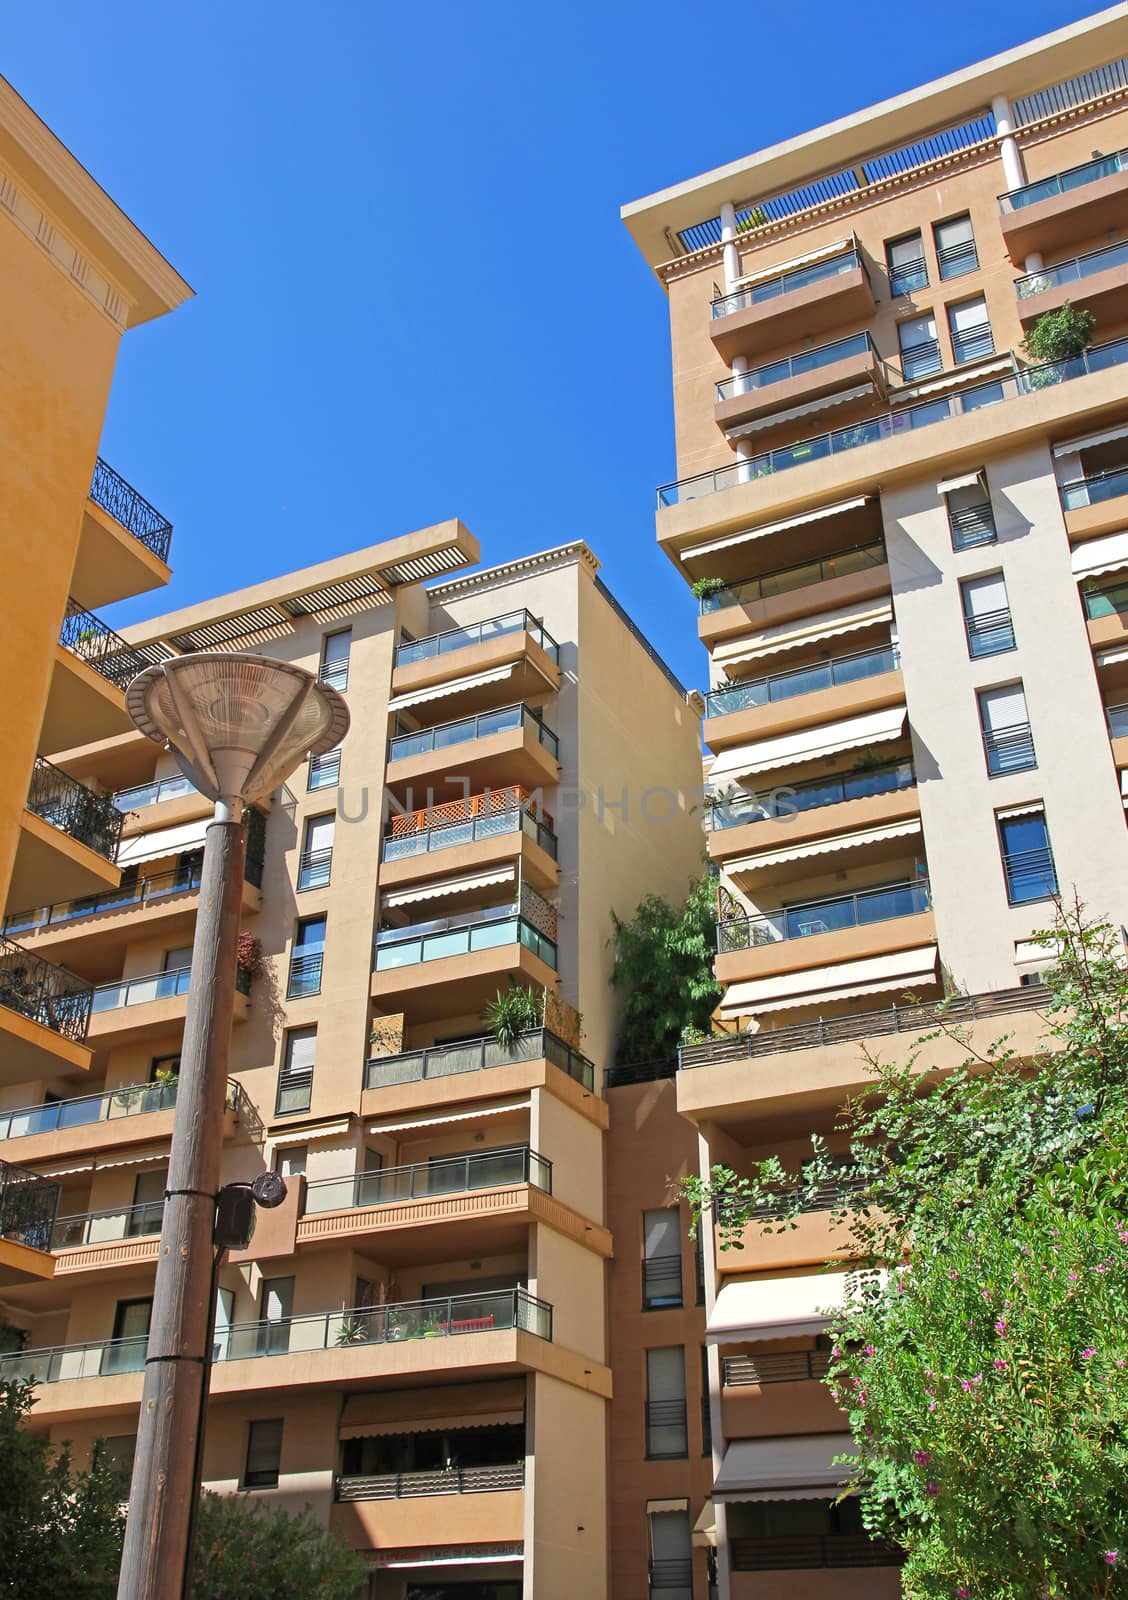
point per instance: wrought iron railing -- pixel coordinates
(103, 1227)
(1030, 875)
(429, 1180)
(44, 992)
(825, 916)
(91, 819)
(630, 1072)
(667, 1429)
(128, 1100)
(861, 558)
(513, 820)
(29, 1204)
(1075, 271)
(989, 633)
(802, 680)
(450, 1480)
(477, 1055)
(739, 810)
(812, 1551)
(135, 892)
(479, 727)
(466, 934)
(93, 641)
(1009, 749)
(1094, 488)
(854, 344)
(441, 644)
(790, 1366)
(130, 510)
(1064, 182)
(151, 794)
(786, 283)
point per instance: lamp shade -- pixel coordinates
(238, 725)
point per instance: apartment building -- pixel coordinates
(417, 1342)
(909, 543)
(76, 274)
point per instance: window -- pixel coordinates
(290, 1161)
(971, 517)
(176, 960)
(955, 247)
(264, 1454)
(295, 1081)
(118, 1452)
(164, 1067)
(1007, 740)
(324, 771)
(224, 1317)
(987, 617)
(316, 858)
(971, 330)
(661, 1259)
(666, 1433)
(1028, 861)
(306, 957)
(335, 658)
(671, 1555)
(131, 1335)
(276, 1307)
(920, 348)
(148, 1203)
(699, 1264)
(905, 261)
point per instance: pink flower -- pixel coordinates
(932, 1489)
(1072, 1276)
(987, 1296)
(922, 1457)
(953, 1274)
(1088, 1353)
(962, 1593)
(1110, 1557)
(1000, 1366)
(1001, 1327)
(932, 1405)
(1122, 1235)
(869, 1350)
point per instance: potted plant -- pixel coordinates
(248, 960)
(1057, 336)
(705, 590)
(511, 1013)
(353, 1330)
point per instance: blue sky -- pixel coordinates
(415, 298)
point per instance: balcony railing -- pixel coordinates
(129, 1100)
(1075, 271)
(91, 640)
(907, 276)
(154, 986)
(855, 344)
(791, 1366)
(305, 973)
(956, 260)
(441, 644)
(451, 1480)
(151, 794)
(427, 1180)
(661, 1281)
(90, 819)
(1009, 749)
(802, 680)
(813, 1551)
(1064, 182)
(920, 359)
(476, 1055)
(1117, 719)
(894, 424)
(825, 916)
(44, 992)
(1109, 602)
(973, 344)
(101, 1227)
(990, 633)
(28, 1206)
(139, 892)
(466, 934)
(1094, 488)
(1030, 875)
(971, 525)
(739, 810)
(786, 283)
(672, 1572)
(667, 1429)
(955, 1010)
(514, 820)
(130, 510)
(479, 727)
(315, 868)
(861, 558)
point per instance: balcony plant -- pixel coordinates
(705, 588)
(353, 1330)
(511, 1013)
(1057, 336)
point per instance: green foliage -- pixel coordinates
(1060, 335)
(756, 218)
(247, 1550)
(663, 967)
(702, 588)
(60, 1530)
(511, 1013)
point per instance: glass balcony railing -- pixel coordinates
(441, 644)
(153, 986)
(28, 1206)
(476, 1055)
(104, 1227)
(1064, 182)
(467, 934)
(1108, 602)
(88, 818)
(130, 510)
(479, 727)
(825, 916)
(151, 794)
(862, 558)
(738, 810)
(1094, 489)
(1074, 271)
(855, 344)
(514, 820)
(129, 1100)
(894, 424)
(137, 892)
(786, 283)
(428, 1180)
(1117, 719)
(802, 680)
(43, 992)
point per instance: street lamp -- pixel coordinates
(238, 726)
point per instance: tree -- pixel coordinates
(1060, 335)
(664, 967)
(246, 1550)
(983, 1358)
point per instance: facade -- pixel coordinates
(910, 548)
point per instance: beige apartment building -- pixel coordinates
(910, 548)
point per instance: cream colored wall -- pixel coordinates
(570, 1278)
(565, 1493)
(575, 1147)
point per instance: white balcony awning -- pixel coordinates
(808, 744)
(163, 842)
(762, 532)
(323, 1130)
(1111, 658)
(957, 380)
(1090, 441)
(438, 1410)
(149, 1156)
(775, 419)
(499, 1108)
(417, 697)
(845, 980)
(824, 847)
(838, 248)
(968, 480)
(776, 1308)
(783, 1469)
(810, 630)
(435, 891)
(1108, 554)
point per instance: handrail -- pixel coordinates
(127, 1100)
(90, 819)
(396, 947)
(883, 904)
(130, 510)
(151, 794)
(139, 892)
(477, 1055)
(794, 366)
(447, 1480)
(429, 1180)
(755, 692)
(44, 992)
(1072, 271)
(425, 740)
(1063, 182)
(784, 580)
(95, 642)
(120, 1222)
(816, 1551)
(786, 283)
(1094, 488)
(29, 1203)
(439, 644)
(1009, 749)
(787, 800)
(515, 819)
(788, 1366)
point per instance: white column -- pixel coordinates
(1013, 168)
(728, 239)
(1034, 262)
(745, 450)
(739, 368)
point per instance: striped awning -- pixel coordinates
(731, 539)
(435, 891)
(808, 630)
(497, 1109)
(418, 697)
(163, 842)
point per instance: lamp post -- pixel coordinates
(238, 725)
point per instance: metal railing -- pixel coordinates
(450, 1480)
(1074, 271)
(921, 359)
(672, 1572)
(917, 1018)
(955, 260)
(476, 1055)
(786, 283)
(1117, 719)
(91, 819)
(130, 510)
(1030, 875)
(335, 673)
(139, 991)
(804, 361)
(860, 558)
(479, 727)
(907, 276)
(459, 936)
(972, 344)
(1009, 749)
(29, 1203)
(1064, 182)
(661, 1281)
(811, 795)
(441, 644)
(513, 820)
(971, 525)
(630, 1072)
(314, 868)
(324, 771)
(825, 916)
(129, 1100)
(305, 973)
(44, 992)
(790, 1366)
(802, 680)
(895, 423)
(1108, 602)
(139, 892)
(102, 1227)
(812, 1551)
(428, 1180)
(1094, 488)
(151, 794)
(667, 1429)
(989, 633)
(93, 641)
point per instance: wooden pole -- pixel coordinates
(163, 1486)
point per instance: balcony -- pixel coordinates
(798, 301)
(93, 667)
(1069, 207)
(461, 959)
(125, 543)
(408, 1485)
(848, 370)
(131, 1114)
(44, 1016)
(824, 916)
(491, 750)
(176, 787)
(480, 831)
(812, 1552)
(1097, 280)
(28, 1205)
(427, 1180)
(789, 1366)
(69, 838)
(130, 1009)
(813, 794)
(440, 1062)
(868, 558)
(511, 655)
(1095, 503)
(832, 674)
(103, 1227)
